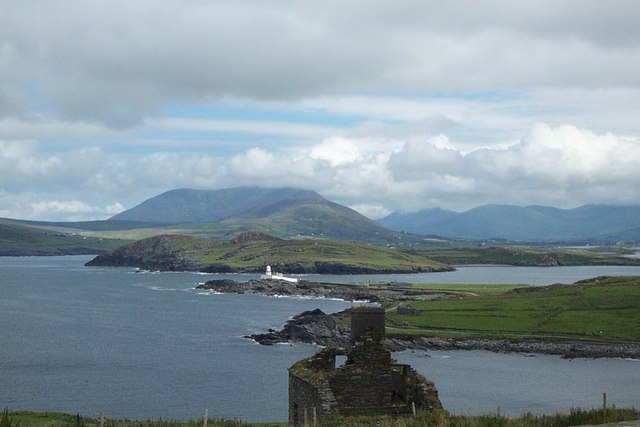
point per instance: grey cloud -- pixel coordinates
(96, 61)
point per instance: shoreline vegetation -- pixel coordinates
(590, 319)
(440, 418)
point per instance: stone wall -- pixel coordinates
(310, 395)
(371, 383)
(309, 402)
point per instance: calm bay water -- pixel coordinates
(146, 345)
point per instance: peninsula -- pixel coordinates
(251, 252)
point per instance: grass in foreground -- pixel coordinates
(443, 419)
(429, 419)
(57, 419)
(601, 309)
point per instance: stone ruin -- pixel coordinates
(369, 382)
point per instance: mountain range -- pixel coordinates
(295, 213)
(589, 223)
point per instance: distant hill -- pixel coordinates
(589, 223)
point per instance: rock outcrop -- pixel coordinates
(313, 326)
(321, 290)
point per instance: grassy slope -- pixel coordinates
(528, 255)
(21, 240)
(308, 252)
(604, 309)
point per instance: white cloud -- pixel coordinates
(114, 208)
(563, 166)
(337, 151)
(57, 206)
(70, 210)
(420, 158)
(20, 162)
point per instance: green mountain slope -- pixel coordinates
(310, 218)
(251, 252)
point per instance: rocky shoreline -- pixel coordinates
(317, 327)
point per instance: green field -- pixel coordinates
(602, 309)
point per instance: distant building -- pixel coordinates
(369, 383)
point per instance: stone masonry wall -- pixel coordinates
(369, 383)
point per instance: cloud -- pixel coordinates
(93, 62)
(337, 151)
(420, 158)
(20, 162)
(71, 210)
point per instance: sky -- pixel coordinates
(380, 106)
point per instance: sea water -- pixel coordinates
(143, 345)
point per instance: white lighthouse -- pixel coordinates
(270, 275)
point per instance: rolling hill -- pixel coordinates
(251, 252)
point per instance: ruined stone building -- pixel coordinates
(369, 382)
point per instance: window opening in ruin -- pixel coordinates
(340, 360)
